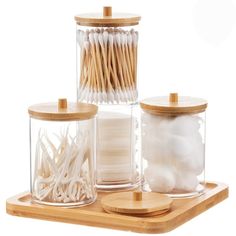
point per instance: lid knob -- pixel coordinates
(62, 103)
(137, 196)
(107, 11)
(173, 98)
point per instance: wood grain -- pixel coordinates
(52, 111)
(107, 11)
(182, 210)
(124, 203)
(107, 19)
(163, 105)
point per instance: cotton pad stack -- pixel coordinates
(114, 155)
(173, 148)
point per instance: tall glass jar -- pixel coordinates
(107, 51)
(62, 152)
(107, 47)
(173, 145)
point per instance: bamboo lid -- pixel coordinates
(62, 111)
(173, 105)
(107, 19)
(136, 203)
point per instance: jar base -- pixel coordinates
(180, 194)
(199, 191)
(67, 205)
(117, 186)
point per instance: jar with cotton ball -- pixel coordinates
(107, 46)
(62, 153)
(173, 145)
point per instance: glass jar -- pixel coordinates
(62, 152)
(173, 145)
(107, 57)
(117, 163)
(106, 65)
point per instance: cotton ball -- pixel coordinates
(154, 125)
(186, 181)
(195, 160)
(180, 147)
(149, 118)
(153, 140)
(198, 163)
(198, 155)
(160, 178)
(155, 149)
(185, 125)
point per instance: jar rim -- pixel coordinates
(107, 18)
(163, 106)
(72, 112)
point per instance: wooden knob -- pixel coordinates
(137, 196)
(173, 98)
(107, 11)
(62, 103)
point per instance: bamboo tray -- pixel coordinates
(93, 215)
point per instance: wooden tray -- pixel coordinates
(93, 215)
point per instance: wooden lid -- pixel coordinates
(136, 203)
(173, 105)
(107, 19)
(62, 111)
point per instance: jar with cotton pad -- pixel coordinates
(117, 159)
(62, 153)
(107, 45)
(173, 145)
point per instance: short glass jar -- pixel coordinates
(173, 145)
(62, 153)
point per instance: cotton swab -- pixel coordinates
(108, 65)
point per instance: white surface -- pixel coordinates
(186, 46)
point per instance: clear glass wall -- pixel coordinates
(62, 162)
(173, 153)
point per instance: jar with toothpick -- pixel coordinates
(107, 52)
(62, 150)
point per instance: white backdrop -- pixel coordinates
(187, 46)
